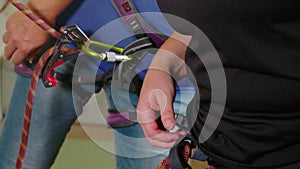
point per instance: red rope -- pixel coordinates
(30, 100)
(35, 76)
(165, 163)
(29, 103)
(184, 155)
(35, 18)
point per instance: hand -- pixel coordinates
(23, 38)
(157, 95)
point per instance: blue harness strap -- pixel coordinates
(135, 22)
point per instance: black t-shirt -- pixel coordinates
(258, 42)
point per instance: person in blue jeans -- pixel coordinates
(56, 109)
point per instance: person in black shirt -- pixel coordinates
(253, 95)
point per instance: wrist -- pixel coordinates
(43, 12)
(169, 63)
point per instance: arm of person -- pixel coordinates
(158, 92)
(23, 38)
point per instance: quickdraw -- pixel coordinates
(52, 58)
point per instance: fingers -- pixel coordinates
(22, 38)
(17, 57)
(167, 115)
(159, 138)
(9, 50)
(162, 139)
(5, 37)
(156, 99)
(16, 52)
(153, 132)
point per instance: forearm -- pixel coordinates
(23, 38)
(170, 57)
(48, 10)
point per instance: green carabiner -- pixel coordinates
(102, 56)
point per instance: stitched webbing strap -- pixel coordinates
(135, 22)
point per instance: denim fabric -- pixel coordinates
(53, 114)
(132, 149)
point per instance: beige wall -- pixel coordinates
(7, 76)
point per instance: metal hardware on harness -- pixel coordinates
(139, 44)
(113, 57)
(75, 36)
(107, 56)
(70, 35)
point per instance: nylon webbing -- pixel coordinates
(135, 22)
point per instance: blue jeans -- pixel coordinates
(53, 114)
(54, 111)
(131, 147)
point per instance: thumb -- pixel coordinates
(167, 116)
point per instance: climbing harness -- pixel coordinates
(52, 58)
(72, 34)
(147, 37)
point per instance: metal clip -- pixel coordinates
(72, 35)
(113, 57)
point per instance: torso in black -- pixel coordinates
(259, 45)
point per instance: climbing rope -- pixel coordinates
(185, 155)
(30, 100)
(182, 156)
(29, 13)
(35, 76)
(108, 56)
